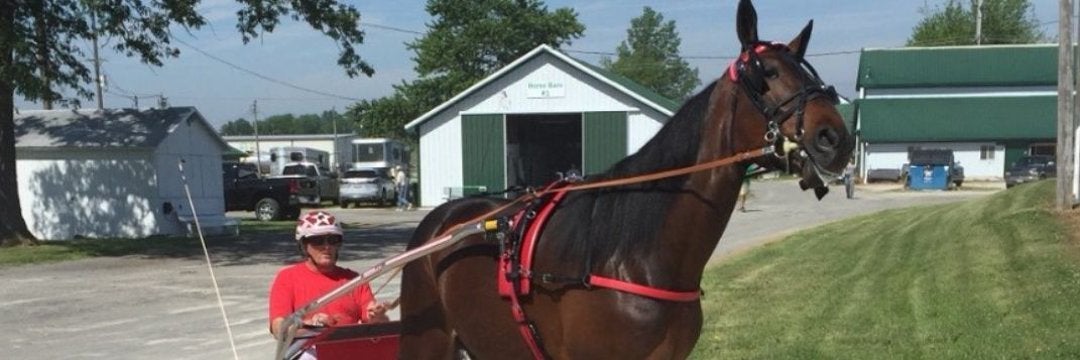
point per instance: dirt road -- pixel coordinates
(163, 307)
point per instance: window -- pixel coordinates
(986, 152)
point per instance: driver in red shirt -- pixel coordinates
(319, 237)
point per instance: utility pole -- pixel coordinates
(255, 123)
(333, 113)
(978, 22)
(1066, 85)
(97, 60)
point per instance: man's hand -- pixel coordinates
(320, 319)
(377, 312)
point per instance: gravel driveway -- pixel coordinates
(163, 307)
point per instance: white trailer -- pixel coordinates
(378, 153)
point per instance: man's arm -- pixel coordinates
(275, 327)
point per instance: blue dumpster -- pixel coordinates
(928, 177)
(931, 169)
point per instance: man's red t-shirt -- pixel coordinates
(297, 285)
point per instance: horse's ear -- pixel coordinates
(798, 45)
(746, 24)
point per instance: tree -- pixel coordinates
(287, 124)
(40, 55)
(237, 127)
(650, 56)
(1003, 22)
(466, 41)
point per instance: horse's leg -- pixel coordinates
(480, 316)
(425, 333)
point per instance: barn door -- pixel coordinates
(603, 140)
(483, 152)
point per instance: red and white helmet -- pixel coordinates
(317, 223)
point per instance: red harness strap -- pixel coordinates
(646, 291)
(514, 288)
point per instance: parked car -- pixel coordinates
(890, 175)
(269, 198)
(323, 181)
(367, 185)
(1030, 168)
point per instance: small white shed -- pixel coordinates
(114, 173)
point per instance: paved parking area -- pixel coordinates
(163, 307)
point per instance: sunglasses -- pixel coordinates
(323, 240)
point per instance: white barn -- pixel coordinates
(542, 113)
(114, 173)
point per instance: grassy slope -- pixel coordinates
(989, 278)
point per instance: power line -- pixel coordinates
(261, 76)
(391, 28)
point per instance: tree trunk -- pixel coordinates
(12, 227)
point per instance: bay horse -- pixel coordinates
(657, 234)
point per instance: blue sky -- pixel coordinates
(296, 55)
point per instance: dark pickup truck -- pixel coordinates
(1030, 168)
(269, 198)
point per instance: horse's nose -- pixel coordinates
(827, 142)
(827, 139)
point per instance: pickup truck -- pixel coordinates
(1030, 168)
(269, 198)
(321, 182)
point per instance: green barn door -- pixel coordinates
(603, 140)
(483, 153)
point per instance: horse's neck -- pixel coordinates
(697, 221)
(697, 215)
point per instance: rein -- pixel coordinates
(743, 156)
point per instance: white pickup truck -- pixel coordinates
(325, 182)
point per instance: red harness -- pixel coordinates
(515, 272)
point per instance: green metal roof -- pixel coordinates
(958, 66)
(635, 87)
(958, 118)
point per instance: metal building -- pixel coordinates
(989, 104)
(338, 146)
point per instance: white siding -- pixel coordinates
(894, 156)
(440, 158)
(66, 194)
(641, 128)
(510, 94)
(194, 143)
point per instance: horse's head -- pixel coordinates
(794, 102)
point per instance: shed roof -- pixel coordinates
(110, 128)
(648, 97)
(958, 118)
(958, 66)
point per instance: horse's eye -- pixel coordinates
(771, 73)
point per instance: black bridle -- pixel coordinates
(750, 73)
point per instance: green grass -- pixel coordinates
(989, 278)
(51, 251)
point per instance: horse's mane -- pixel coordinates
(618, 220)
